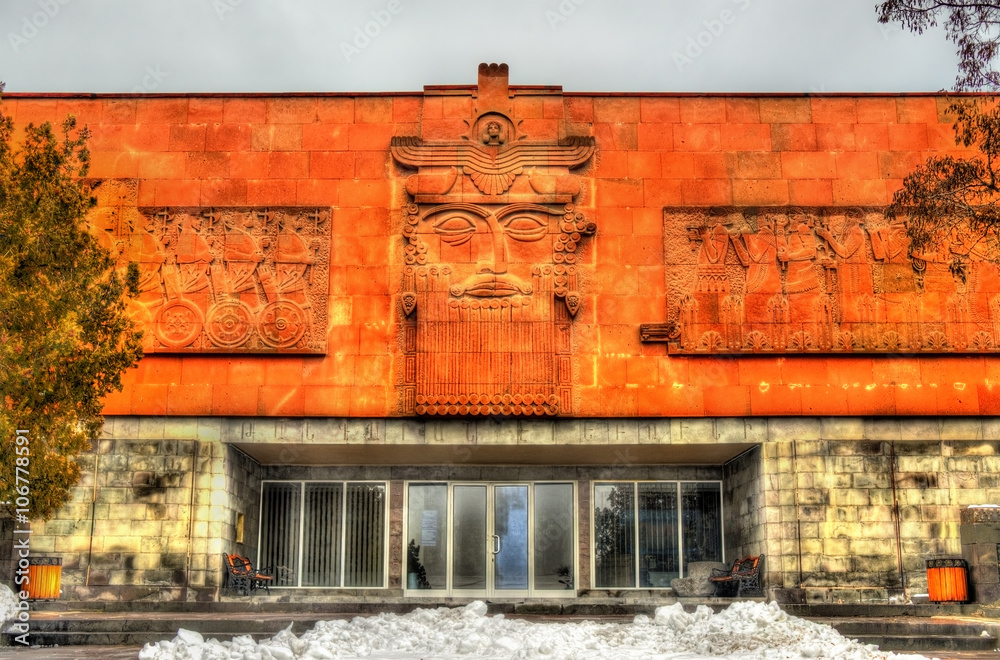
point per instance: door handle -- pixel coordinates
(496, 544)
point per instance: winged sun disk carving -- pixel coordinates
(493, 169)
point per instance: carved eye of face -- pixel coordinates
(455, 230)
(525, 228)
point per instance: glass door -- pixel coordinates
(488, 540)
(510, 540)
(469, 535)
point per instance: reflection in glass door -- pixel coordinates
(510, 538)
(491, 540)
(469, 539)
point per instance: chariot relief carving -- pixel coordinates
(221, 280)
(811, 280)
(491, 276)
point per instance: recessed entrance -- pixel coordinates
(491, 540)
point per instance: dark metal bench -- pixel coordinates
(242, 577)
(742, 578)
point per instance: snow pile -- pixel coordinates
(745, 631)
(8, 606)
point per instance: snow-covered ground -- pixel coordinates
(746, 630)
(8, 606)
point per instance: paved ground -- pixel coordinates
(73, 653)
(131, 652)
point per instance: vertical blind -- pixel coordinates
(279, 538)
(341, 527)
(321, 534)
(365, 531)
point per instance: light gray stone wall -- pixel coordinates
(980, 532)
(161, 503)
(832, 487)
(743, 506)
(818, 496)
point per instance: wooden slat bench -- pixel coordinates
(243, 578)
(742, 578)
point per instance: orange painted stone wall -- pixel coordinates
(652, 152)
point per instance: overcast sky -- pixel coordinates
(401, 45)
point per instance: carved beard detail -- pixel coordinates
(478, 355)
(489, 292)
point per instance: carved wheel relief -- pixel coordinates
(221, 280)
(818, 280)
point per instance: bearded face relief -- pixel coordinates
(493, 289)
(510, 251)
(490, 280)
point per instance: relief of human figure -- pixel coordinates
(757, 251)
(241, 255)
(799, 255)
(193, 256)
(936, 282)
(846, 239)
(712, 256)
(293, 260)
(897, 284)
(982, 278)
(798, 252)
(148, 252)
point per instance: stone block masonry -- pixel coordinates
(684, 286)
(155, 510)
(813, 494)
(980, 535)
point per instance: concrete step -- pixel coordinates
(911, 634)
(917, 634)
(913, 626)
(928, 644)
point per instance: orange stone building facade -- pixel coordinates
(504, 341)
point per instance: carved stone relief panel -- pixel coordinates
(802, 280)
(225, 279)
(490, 277)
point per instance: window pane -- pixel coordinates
(469, 561)
(279, 531)
(614, 535)
(554, 537)
(701, 514)
(658, 556)
(427, 527)
(321, 534)
(364, 535)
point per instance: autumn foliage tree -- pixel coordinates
(65, 336)
(951, 198)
